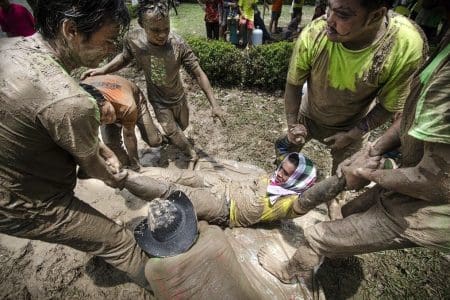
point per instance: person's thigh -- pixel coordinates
(72, 222)
(150, 134)
(359, 233)
(181, 114)
(166, 118)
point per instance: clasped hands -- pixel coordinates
(355, 167)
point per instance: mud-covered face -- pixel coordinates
(347, 20)
(157, 29)
(286, 170)
(89, 52)
(107, 113)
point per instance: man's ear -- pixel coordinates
(376, 15)
(69, 30)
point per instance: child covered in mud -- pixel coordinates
(161, 53)
(123, 107)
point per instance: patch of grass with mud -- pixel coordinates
(415, 273)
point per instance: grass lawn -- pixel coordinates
(190, 18)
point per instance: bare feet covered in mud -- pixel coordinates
(278, 268)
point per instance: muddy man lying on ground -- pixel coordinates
(243, 201)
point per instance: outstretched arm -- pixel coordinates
(116, 64)
(321, 192)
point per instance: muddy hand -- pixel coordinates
(92, 72)
(217, 112)
(111, 160)
(119, 180)
(297, 134)
(361, 159)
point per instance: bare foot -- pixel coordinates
(276, 267)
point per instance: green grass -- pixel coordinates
(190, 18)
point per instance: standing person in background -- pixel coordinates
(229, 11)
(297, 9)
(246, 20)
(277, 7)
(211, 8)
(15, 19)
(320, 9)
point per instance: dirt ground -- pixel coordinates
(38, 270)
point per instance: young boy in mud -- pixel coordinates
(122, 107)
(49, 125)
(409, 206)
(357, 64)
(161, 53)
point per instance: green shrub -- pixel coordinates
(132, 10)
(263, 67)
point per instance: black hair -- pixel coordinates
(376, 4)
(88, 15)
(293, 158)
(95, 93)
(157, 8)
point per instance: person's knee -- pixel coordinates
(170, 128)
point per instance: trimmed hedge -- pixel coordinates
(264, 67)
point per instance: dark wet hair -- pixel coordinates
(156, 8)
(293, 158)
(376, 4)
(94, 92)
(88, 15)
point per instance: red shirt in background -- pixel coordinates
(17, 21)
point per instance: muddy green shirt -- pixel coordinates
(161, 65)
(343, 83)
(47, 122)
(424, 120)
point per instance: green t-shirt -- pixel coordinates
(432, 119)
(247, 8)
(343, 83)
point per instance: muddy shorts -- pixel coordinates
(173, 118)
(72, 222)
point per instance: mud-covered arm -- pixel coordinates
(73, 125)
(319, 193)
(292, 101)
(389, 140)
(429, 180)
(130, 140)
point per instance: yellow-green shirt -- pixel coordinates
(343, 83)
(247, 9)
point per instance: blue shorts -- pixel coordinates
(276, 15)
